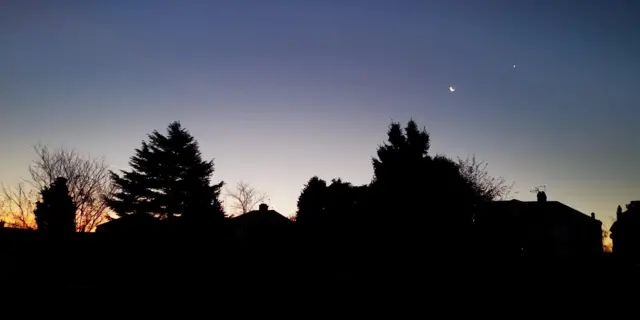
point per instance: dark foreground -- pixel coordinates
(290, 274)
(277, 276)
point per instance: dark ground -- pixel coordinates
(286, 277)
(101, 263)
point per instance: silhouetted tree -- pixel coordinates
(55, 214)
(403, 213)
(404, 158)
(485, 186)
(87, 178)
(330, 206)
(17, 205)
(339, 198)
(405, 170)
(419, 199)
(401, 183)
(454, 189)
(168, 179)
(330, 218)
(312, 201)
(245, 198)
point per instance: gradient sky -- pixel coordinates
(279, 91)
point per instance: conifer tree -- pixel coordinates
(419, 190)
(401, 169)
(56, 212)
(168, 179)
(412, 181)
(312, 201)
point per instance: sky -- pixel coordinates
(279, 91)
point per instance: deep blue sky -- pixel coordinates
(279, 91)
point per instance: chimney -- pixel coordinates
(618, 213)
(263, 207)
(593, 215)
(542, 197)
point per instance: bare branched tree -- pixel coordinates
(17, 205)
(486, 186)
(88, 180)
(245, 198)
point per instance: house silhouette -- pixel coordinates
(537, 229)
(133, 224)
(625, 233)
(260, 225)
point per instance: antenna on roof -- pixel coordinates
(541, 188)
(541, 193)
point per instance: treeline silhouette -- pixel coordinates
(422, 219)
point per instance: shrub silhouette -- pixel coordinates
(55, 214)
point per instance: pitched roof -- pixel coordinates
(550, 209)
(262, 217)
(630, 216)
(127, 221)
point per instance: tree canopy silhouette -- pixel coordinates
(485, 186)
(56, 212)
(87, 179)
(401, 171)
(312, 201)
(325, 205)
(414, 181)
(342, 199)
(417, 198)
(404, 158)
(17, 205)
(169, 179)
